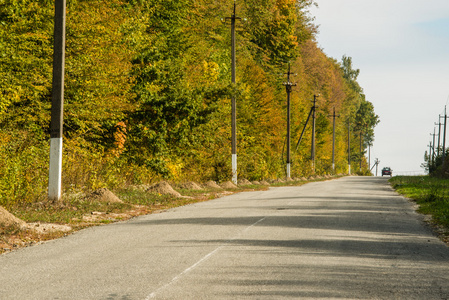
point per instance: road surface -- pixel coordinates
(351, 238)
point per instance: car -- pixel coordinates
(387, 171)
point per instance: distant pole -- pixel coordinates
(430, 156)
(233, 100)
(376, 163)
(369, 154)
(288, 87)
(444, 135)
(433, 144)
(361, 154)
(333, 140)
(439, 134)
(349, 147)
(313, 132)
(55, 169)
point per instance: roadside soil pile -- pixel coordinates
(103, 195)
(7, 219)
(244, 182)
(264, 182)
(212, 184)
(228, 185)
(190, 185)
(163, 188)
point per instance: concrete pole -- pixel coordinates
(361, 154)
(444, 135)
(57, 106)
(313, 132)
(349, 148)
(333, 141)
(439, 135)
(288, 87)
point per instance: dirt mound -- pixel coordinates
(289, 179)
(264, 182)
(244, 182)
(228, 185)
(255, 182)
(303, 179)
(163, 188)
(190, 185)
(7, 219)
(212, 184)
(103, 195)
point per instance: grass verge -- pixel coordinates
(432, 196)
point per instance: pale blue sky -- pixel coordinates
(402, 50)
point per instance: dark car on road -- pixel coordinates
(387, 171)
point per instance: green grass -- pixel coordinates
(432, 195)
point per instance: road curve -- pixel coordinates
(351, 238)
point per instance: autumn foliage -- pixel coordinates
(148, 89)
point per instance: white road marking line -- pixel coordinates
(153, 294)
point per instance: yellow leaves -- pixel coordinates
(210, 71)
(175, 168)
(119, 138)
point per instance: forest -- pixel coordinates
(148, 94)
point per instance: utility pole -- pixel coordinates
(439, 134)
(376, 163)
(430, 156)
(313, 131)
(349, 147)
(57, 104)
(444, 135)
(369, 154)
(233, 18)
(433, 144)
(288, 87)
(361, 154)
(333, 141)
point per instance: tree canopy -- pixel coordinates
(148, 93)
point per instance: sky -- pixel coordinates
(402, 50)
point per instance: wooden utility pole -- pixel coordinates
(233, 18)
(439, 134)
(57, 104)
(361, 153)
(333, 140)
(313, 132)
(288, 87)
(430, 156)
(433, 144)
(444, 135)
(376, 163)
(349, 147)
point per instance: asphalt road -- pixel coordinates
(351, 238)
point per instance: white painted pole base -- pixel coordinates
(333, 169)
(349, 169)
(288, 170)
(55, 172)
(234, 168)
